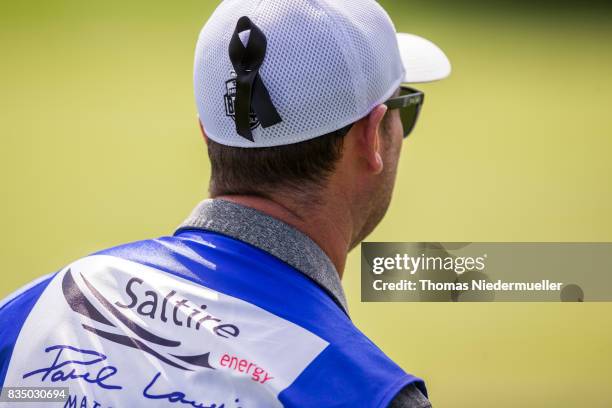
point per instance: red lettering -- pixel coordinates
(267, 378)
(247, 367)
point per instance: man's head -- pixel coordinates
(355, 167)
(292, 99)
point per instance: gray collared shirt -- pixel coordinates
(272, 236)
(290, 246)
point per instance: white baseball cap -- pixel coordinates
(278, 72)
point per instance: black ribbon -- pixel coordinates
(251, 93)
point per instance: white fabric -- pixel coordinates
(423, 60)
(328, 64)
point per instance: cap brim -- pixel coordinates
(423, 60)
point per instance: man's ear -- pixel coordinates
(203, 131)
(372, 144)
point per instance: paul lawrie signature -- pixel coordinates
(71, 363)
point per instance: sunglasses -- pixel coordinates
(409, 102)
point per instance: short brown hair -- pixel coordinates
(261, 171)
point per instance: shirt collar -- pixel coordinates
(272, 236)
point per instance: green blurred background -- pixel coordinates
(100, 146)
